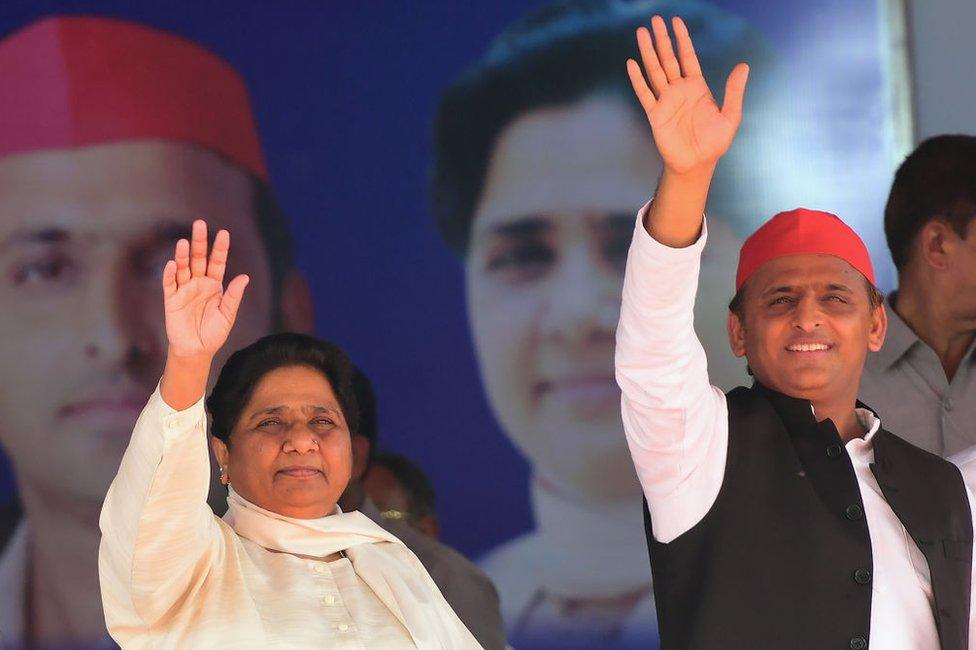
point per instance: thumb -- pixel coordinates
(231, 300)
(735, 90)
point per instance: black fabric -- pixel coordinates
(783, 557)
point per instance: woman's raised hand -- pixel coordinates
(199, 311)
(690, 130)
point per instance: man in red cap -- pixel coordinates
(113, 137)
(781, 515)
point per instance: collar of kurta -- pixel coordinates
(800, 418)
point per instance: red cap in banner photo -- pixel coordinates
(803, 232)
(76, 81)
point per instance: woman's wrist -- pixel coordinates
(184, 380)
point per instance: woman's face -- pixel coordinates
(290, 451)
(544, 274)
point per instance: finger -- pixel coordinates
(231, 300)
(182, 259)
(735, 90)
(641, 89)
(665, 52)
(686, 49)
(659, 80)
(169, 280)
(198, 249)
(218, 256)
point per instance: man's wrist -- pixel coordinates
(695, 177)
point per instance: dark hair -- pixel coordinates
(936, 181)
(418, 487)
(556, 56)
(366, 401)
(875, 299)
(246, 367)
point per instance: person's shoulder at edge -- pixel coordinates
(965, 460)
(434, 553)
(462, 583)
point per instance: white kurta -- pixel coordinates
(677, 429)
(175, 576)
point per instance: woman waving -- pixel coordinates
(284, 567)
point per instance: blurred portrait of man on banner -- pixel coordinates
(113, 138)
(540, 166)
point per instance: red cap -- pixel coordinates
(802, 232)
(75, 81)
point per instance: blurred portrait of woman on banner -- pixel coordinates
(541, 162)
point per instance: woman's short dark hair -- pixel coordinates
(246, 367)
(556, 56)
(936, 181)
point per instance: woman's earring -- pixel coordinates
(224, 479)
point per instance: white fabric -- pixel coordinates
(578, 552)
(175, 576)
(677, 429)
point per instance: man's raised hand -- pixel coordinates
(690, 130)
(199, 311)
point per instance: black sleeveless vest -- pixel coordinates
(783, 557)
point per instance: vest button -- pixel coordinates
(853, 512)
(858, 643)
(833, 451)
(862, 576)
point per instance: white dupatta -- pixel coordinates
(391, 570)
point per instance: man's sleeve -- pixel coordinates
(676, 422)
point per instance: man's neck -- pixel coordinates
(838, 407)
(844, 416)
(64, 602)
(927, 313)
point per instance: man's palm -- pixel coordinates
(688, 125)
(690, 129)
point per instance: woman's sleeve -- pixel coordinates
(160, 539)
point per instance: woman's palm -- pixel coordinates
(199, 311)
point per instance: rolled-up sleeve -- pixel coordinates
(676, 423)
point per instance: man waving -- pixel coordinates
(782, 515)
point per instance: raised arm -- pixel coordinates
(690, 131)
(199, 314)
(159, 536)
(675, 422)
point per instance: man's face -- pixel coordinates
(808, 326)
(84, 234)
(544, 274)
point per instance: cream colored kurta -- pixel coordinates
(175, 576)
